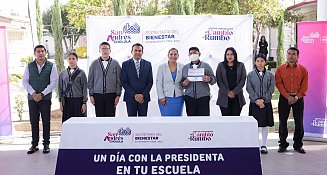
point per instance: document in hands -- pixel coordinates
(195, 74)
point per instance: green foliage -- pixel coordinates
(19, 104)
(27, 59)
(217, 7)
(39, 22)
(81, 52)
(78, 10)
(15, 78)
(70, 32)
(271, 64)
(56, 26)
(119, 7)
(235, 8)
(280, 46)
(180, 7)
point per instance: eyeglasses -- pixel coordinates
(105, 49)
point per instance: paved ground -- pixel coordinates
(15, 161)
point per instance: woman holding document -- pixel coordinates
(231, 76)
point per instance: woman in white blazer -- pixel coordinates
(169, 88)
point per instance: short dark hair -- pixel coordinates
(137, 44)
(260, 55)
(39, 46)
(104, 43)
(234, 53)
(294, 48)
(193, 48)
(74, 54)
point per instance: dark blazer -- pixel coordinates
(136, 85)
(223, 84)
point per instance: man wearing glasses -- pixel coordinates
(104, 83)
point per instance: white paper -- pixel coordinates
(195, 74)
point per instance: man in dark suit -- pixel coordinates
(137, 80)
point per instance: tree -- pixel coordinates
(235, 9)
(39, 22)
(78, 10)
(56, 26)
(119, 7)
(71, 33)
(266, 13)
(280, 47)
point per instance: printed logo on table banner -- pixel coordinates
(147, 137)
(124, 35)
(117, 137)
(324, 39)
(319, 122)
(161, 36)
(218, 34)
(310, 39)
(201, 136)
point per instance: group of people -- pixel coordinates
(176, 84)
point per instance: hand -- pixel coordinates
(92, 100)
(206, 79)
(116, 101)
(231, 94)
(260, 103)
(37, 97)
(62, 106)
(163, 101)
(186, 82)
(139, 98)
(83, 110)
(291, 100)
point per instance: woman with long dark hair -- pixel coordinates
(263, 45)
(231, 76)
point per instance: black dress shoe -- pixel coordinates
(281, 149)
(46, 149)
(300, 150)
(264, 150)
(32, 150)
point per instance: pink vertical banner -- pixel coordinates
(312, 44)
(5, 117)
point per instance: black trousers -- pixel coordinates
(284, 111)
(136, 109)
(197, 107)
(105, 105)
(35, 108)
(233, 108)
(72, 108)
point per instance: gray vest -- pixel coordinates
(39, 81)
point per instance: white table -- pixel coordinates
(157, 145)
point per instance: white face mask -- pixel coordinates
(194, 57)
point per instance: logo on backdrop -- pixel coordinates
(124, 35)
(218, 34)
(319, 122)
(161, 36)
(310, 39)
(150, 137)
(118, 137)
(201, 136)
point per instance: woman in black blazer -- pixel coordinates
(231, 76)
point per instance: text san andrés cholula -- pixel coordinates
(158, 169)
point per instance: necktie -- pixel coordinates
(137, 66)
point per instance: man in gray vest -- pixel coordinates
(39, 80)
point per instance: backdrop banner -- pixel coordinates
(211, 34)
(312, 44)
(5, 117)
